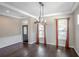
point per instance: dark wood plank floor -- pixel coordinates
(33, 50)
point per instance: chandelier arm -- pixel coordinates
(41, 13)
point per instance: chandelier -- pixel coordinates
(41, 16)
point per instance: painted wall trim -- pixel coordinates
(76, 51)
(62, 13)
(36, 17)
(7, 41)
(10, 40)
(9, 15)
(18, 10)
(59, 45)
(75, 6)
(57, 14)
(31, 42)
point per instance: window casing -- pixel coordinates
(62, 29)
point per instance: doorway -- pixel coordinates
(25, 33)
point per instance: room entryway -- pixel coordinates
(25, 33)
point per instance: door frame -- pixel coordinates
(23, 33)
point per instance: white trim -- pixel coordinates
(10, 40)
(76, 51)
(36, 17)
(75, 6)
(18, 10)
(62, 13)
(55, 44)
(31, 42)
(3, 14)
(56, 14)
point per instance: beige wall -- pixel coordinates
(12, 27)
(9, 26)
(10, 31)
(76, 30)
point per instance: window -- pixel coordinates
(62, 29)
(41, 31)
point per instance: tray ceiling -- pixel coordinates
(21, 9)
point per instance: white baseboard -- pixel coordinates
(31, 42)
(76, 51)
(7, 41)
(55, 44)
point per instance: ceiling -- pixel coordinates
(26, 9)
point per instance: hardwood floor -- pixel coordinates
(33, 50)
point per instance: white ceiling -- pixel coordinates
(25, 9)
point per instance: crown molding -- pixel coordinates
(3, 14)
(75, 6)
(56, 14)
(16, 9)
(36, 17)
